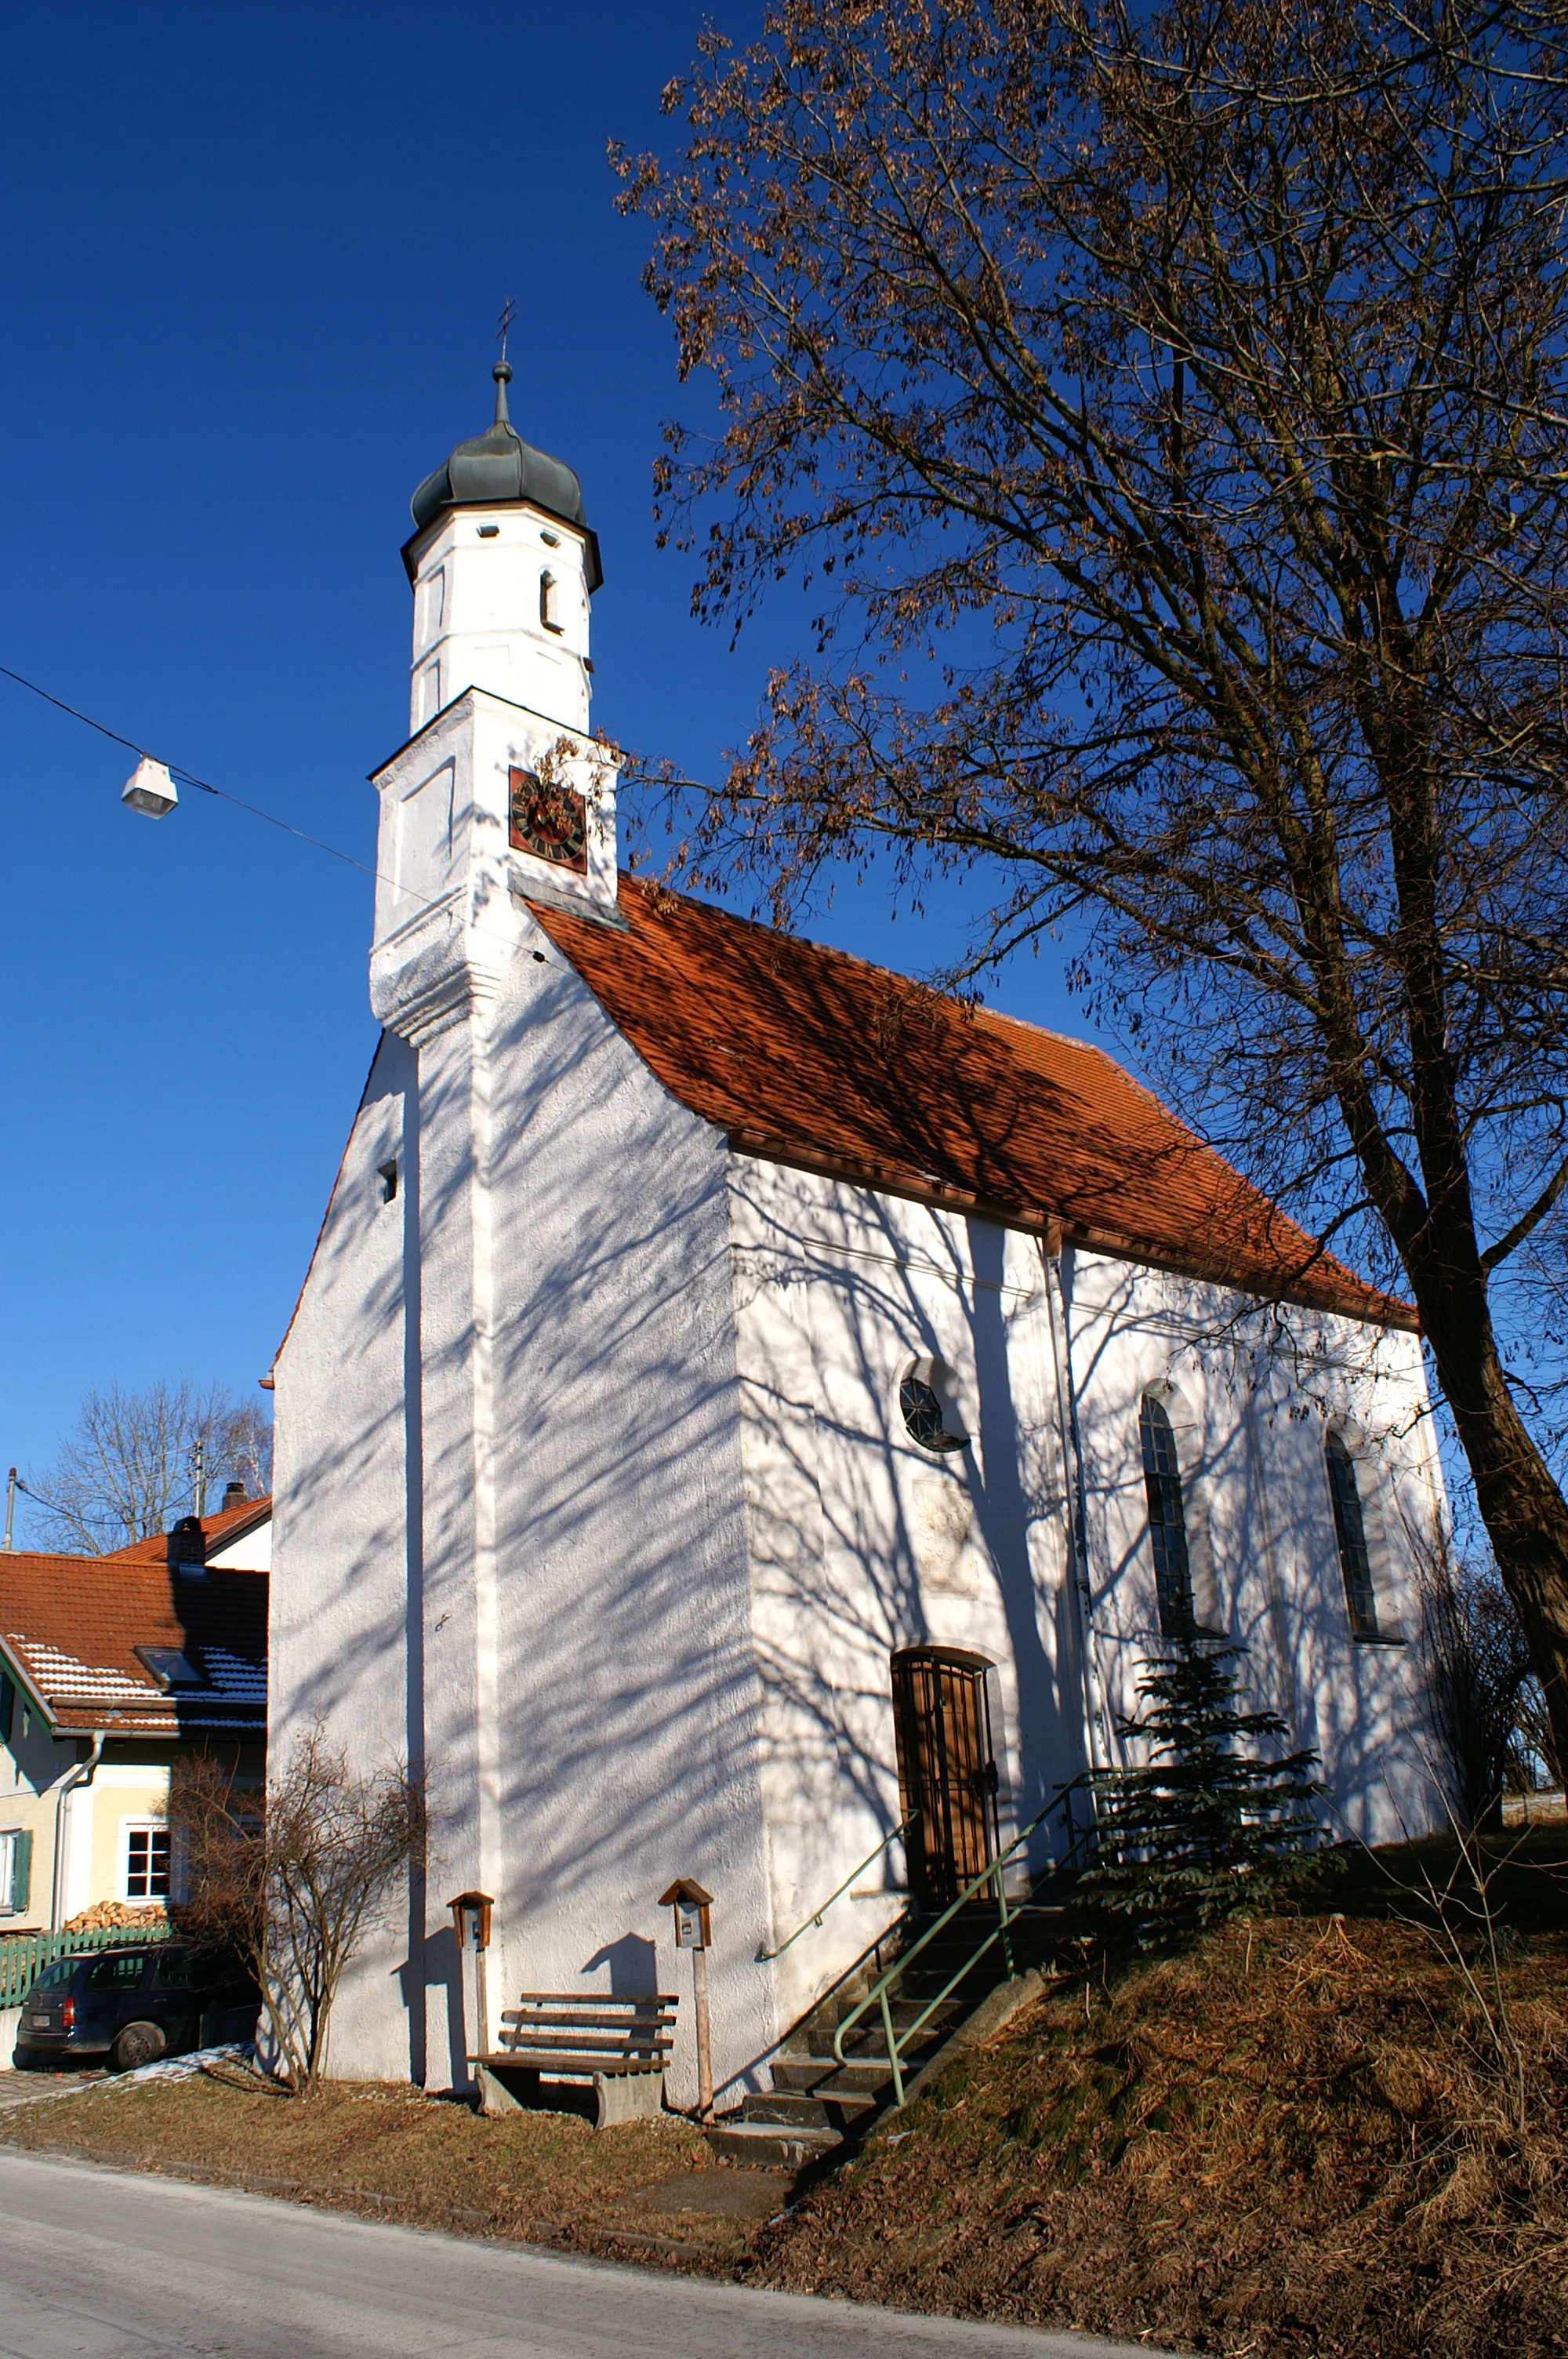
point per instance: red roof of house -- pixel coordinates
(228, 1524)
(806, 1056)
(70, 1625)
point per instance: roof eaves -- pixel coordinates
(22, 1677)
(219, 1530)
(1351, 1301)
(242, 1527)
(164, 1715)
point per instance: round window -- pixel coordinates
(927, 1416)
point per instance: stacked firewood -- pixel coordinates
(120, 1916)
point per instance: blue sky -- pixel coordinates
(253, 263)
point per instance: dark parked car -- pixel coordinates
(137, 2004)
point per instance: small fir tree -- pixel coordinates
(1208, 1825)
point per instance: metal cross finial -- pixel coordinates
(508, 314)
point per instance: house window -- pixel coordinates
(1350, 1530)
(16, 1871)
(547, 615)
(147, 1862)
(1167, 1521)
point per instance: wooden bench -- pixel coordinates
(619, 2045)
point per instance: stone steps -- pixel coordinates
(813, 2110)
(768, 2145)
(865, 2076)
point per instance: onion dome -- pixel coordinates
(501, 466)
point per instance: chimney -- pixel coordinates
(188, 1549)
(235, 1496)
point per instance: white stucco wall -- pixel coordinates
(1250, 1394)
(477, 619)
(863, 1543)
(624, 1630)
(340, 1589)
(509, 1536)
(852, 1524)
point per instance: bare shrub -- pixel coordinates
(1538, 1742)
(290, 1878)
(1475, 1670)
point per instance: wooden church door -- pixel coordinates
(942, 1719)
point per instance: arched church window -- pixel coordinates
(547, 615)
(1167, 1521)
(1350, 1530)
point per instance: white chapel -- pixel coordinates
(742, 1405)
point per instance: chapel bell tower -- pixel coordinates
(503, 565)
(500, 795)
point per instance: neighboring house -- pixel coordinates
(238, 1538)
(737, 1393)
(109, 1669)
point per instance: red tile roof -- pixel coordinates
(70, 1625)
(228, 1524)
(809, 1057)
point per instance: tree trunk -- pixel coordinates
(1521, 1507)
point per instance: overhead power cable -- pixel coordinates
(189, 777)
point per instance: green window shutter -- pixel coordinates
(8, 1706)
(22, 1873)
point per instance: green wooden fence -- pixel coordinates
(25, 1955)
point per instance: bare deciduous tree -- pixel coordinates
(288, 1879)
(1183, 395)
(128, 1467)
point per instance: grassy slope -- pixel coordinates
(1295, 2140)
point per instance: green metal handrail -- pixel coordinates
(878, 1994)
(765, 1956)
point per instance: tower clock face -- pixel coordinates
(549, 821)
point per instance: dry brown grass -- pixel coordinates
(1293, 2141)
(393, 2153)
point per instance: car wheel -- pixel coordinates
(26, 2060)
(136, 2044)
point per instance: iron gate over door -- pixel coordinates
(942, 1719)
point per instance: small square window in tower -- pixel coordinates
(549, 821)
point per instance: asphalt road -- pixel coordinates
(94, 2264)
